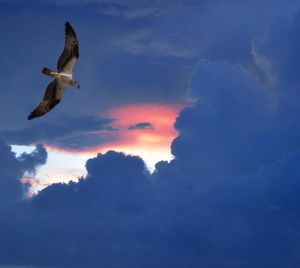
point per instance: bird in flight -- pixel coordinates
(62, 78)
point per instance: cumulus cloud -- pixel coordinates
(214, 134)
(12, 168)
(30, 161)
(230, 198)
(9, 186)
(116, 217)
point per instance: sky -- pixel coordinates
(181, 149)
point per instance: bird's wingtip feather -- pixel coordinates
(68, 24)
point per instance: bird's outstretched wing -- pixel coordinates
(70, 53)
(52, 97)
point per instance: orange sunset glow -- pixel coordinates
(151, 143)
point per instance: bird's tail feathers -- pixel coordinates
(47, 71)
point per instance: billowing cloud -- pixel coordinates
(38, 157)
(230, 198)
(12, 168)
(214, 134)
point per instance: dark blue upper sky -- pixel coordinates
(229, 198)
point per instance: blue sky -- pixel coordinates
(181, 149)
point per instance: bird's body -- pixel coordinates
(63, 77)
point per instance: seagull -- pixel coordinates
(62, 78)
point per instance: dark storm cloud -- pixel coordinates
(142, 125)
(68, 131)
(229, 127)
(12, 168)
(117, 218)
(10, 189)
(30, 161)
(79, 207)
(230, 198)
